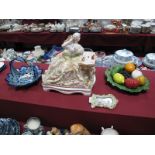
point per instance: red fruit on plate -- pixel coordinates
(131, 83)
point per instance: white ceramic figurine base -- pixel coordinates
(86, 92)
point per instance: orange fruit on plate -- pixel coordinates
(130, 67)
(141, 80)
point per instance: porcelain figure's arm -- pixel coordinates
(68, 41)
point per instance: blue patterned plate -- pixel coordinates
(23, 76)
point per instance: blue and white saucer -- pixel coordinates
(134, 60)
(110, 61)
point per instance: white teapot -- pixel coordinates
(109, 131)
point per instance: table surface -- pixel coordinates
(140, 105)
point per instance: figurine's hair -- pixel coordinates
(76, 35)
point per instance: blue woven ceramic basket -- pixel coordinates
(24, 76)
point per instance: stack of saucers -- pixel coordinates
(9, 126)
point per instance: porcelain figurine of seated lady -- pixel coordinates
(72, 71)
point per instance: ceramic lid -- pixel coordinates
(124, 53)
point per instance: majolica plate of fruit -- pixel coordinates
(127, 78)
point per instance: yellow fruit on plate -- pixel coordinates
(118, 78)
(130, 67)
(141, 80)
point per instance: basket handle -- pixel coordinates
(13, 70)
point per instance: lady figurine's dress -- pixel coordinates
(70, 71)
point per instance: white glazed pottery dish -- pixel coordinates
(106, 101)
